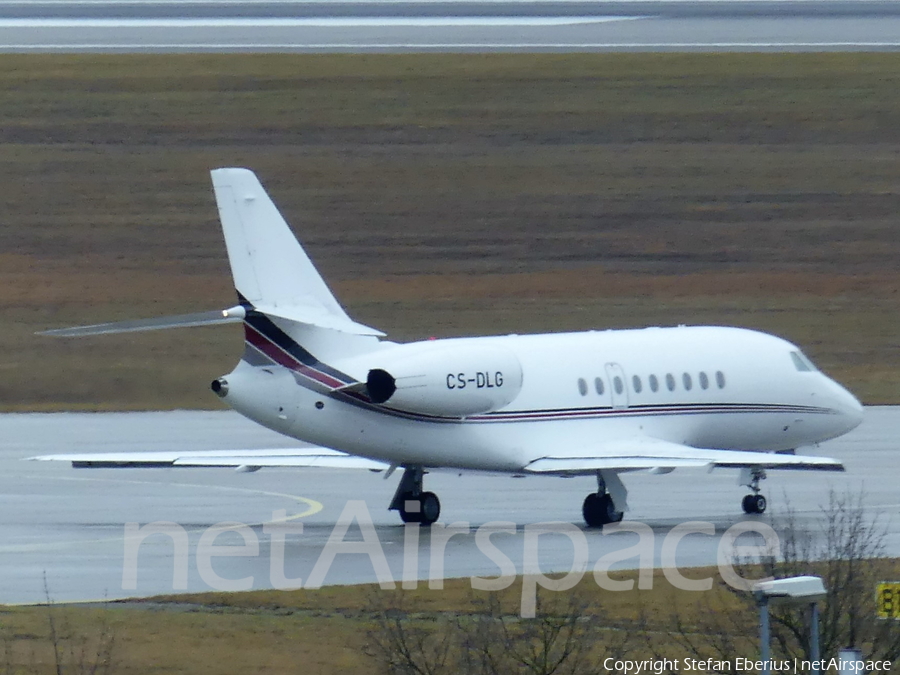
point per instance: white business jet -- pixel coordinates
(599, 403)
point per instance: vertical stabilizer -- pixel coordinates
(270, 268)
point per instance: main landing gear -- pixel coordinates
(599, 508)
(414, 504)
(754, 503)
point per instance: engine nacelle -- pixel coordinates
(444, 380)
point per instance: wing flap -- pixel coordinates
(312, 457)
(649, 453)
(591, 464)
(309, 461)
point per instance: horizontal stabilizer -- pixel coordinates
(311, 457)
(233, 315)
(313, 316)
(649, 453)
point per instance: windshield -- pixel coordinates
(801, 363)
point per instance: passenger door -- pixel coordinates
(617, 385)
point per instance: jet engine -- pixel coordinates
(447, 381)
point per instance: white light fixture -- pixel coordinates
(806, 590)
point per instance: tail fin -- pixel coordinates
(270, 268)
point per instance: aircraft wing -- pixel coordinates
(249, 459)
(650, 453)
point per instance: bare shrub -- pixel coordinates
(64, 649)
(844, 546)
(568, 636)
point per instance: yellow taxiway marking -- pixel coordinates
(312, 508)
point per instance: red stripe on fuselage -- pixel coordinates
(286, 359)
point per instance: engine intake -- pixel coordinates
(380, 385)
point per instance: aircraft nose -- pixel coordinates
(850, 408)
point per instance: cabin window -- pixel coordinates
(720, 379)
(582, 386)
(704, 381)
(670, 381)
(686, 379)
(598, 385)
(636, 383)
(654, 383)
(617, 383)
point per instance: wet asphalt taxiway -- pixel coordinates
(69, 526)
(448, 26)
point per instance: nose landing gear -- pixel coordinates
(754, 503)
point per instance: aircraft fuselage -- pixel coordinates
(705, 387)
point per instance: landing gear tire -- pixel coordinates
(598, 510)
(431, 508)
(424, 509)
(754, 504)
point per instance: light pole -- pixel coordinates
(795, 591)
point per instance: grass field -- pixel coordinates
(320, 632)
(311, 632)
(449, 195)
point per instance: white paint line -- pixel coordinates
(321, 3)
(314, 22)
(446, 46)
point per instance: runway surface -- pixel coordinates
(68, 525)
(439, 26)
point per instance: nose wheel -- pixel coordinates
(754, 503)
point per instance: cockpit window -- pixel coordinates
(801, 363)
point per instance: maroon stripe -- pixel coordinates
(267, 348)
(277, 354)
